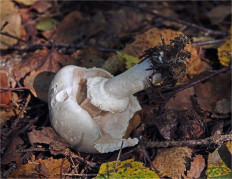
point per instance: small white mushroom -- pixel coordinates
(91, 109)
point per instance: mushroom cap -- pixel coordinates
(83, 125)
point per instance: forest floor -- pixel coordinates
(184, 130)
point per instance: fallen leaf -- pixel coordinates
(76, 27)
(218, 13)
(216, 166)
(47, 135)
(46, 23)
(182, 100)
(11, 154)
(7, 114)
(10, 14)
(125, 169)
(41, 65)
(197, 166)
(133, 124)
(171, 162)
(42, 6)
(26, 2)
(5, 95)
(49, 168)
(224, 54)
(212, 91)
(39, 82)
(179, 124)
(130, 60)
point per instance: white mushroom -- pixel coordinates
(91, 109)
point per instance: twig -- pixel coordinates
(13, 37)
(207, 31)
(35, 46)
(201, 43)
(13, 89)
(168, 95)
(218, 139)
(75, 168)
(141, 149)
(14, 124)
(116, 164)
(32, 150)
(79, 175)
(4, 25)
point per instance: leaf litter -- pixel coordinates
(104, 35)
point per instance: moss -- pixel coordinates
(125, 169)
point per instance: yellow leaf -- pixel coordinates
(224, 52)
(125, 169)
(130, 60)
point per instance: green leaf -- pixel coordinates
(130, 60)
(46, 24)
(125, 169)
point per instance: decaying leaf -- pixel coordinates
(26, 2)
(218, 13)
(10, 14)
(197, 166)
(49, 168)
(211, 92)
(171, 161)
(218, 162)
(11, 154)
(47, 135)
(125, 169)
(184, 125)
(182, 100)
(5, 95)
(6, 114)
(40, 65)
(224, 52)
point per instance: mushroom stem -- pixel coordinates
(113, 94)
(131, 81)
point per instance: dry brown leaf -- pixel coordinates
(6, 114)
(182, 100)
(210, 94)
(197, 166)
(47, 135)
(26, 2)
(5, 95)
(218, 13)
(41, 64)
(39, 82)
(9, 13)
(171, 162)
(152, 38)
(11, 154)
(134, 122)
(49, 168)
(77, 27)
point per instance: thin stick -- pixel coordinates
(218, 139)
(119, 154)
(14, 89)
(208, 42)
(148, 159)
(4, 25)
(207, 31)
(79, 175)
(14, 124)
